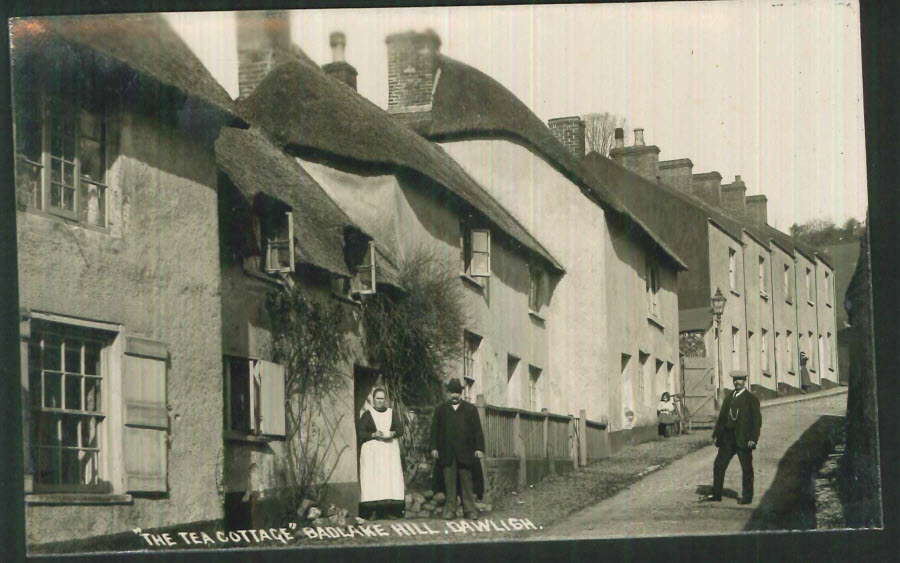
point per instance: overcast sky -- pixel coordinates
(768, 90)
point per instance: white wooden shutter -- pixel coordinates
(481, 253)
(146, 417)
(272, 399)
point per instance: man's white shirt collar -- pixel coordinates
(456, 406)
(738, 392)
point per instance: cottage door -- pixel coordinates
(699, 389)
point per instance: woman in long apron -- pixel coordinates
(380, 470)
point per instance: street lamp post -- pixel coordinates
(718, 307)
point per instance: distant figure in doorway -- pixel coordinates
(737, 432)
(457, 445)
(665, 413)
(380, 470)
(805, 381)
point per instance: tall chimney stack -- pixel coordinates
(640, 158)
(339, 68)
(757, 208)
(570, 132)
(708, 187)
(260, 35)
(733, 197)
(677, 173)
(412, 70)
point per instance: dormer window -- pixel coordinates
(276, 226)
(365, 272)
(476, 252)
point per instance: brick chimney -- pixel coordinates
(733, 197)
(619, 138)
(757, 208)
(677, 173)
(708, 187)
(259, 34)
(570, 132)
(338, 67)
(412, 70)
(640, 158)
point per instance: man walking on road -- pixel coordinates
(457, 444)
(737, 432)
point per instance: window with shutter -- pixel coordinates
(365, 272)
(481, 253)
(280, 243)
(256, 396)
(146, 416)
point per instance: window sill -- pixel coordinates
(477, 284)
(735, 292)
(812, 370)
(764, 296)
(537, 316)
(791, 372)
(77, 498)
(831, 370)
(234, 436)
(71, 221)
(263, 277)
(789, 301)
(811, 304)
(828, 305)
(656, 321)
(767, 374)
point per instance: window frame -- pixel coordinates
(763, 291)
(103, 338)
(534, 388)
(732, 269)
(54, 110)
(788, 298)
(764, 350)
(651, 289)
(274, 244)
(257, 402)
(535, 285)
(789, 348)
(468, 252)
(369, 266)
(735, 348)
(471, 345)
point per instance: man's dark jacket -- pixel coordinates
(456, 434)
(745, 408)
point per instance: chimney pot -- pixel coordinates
(338, 43)
(737, 177)
(639, 137)
(620, 137)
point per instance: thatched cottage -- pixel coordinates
(118, 247)
(613, 320)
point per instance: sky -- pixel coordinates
(770, 91)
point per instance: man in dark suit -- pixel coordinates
(457, 444)
(736, 432)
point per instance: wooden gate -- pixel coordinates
(700, 390)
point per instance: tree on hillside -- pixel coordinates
(599, 129)
(822, 232)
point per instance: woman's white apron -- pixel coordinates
(380, 471)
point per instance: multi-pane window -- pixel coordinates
(476, 251)
(534, 388)
(764, 350)
(279, 233)
(732, 269)
(67, 392)
(62, 161)
(810, 342)
(651, 287)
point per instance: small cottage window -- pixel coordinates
(279, 233)
(476, 252)
(651, 289)
(255, 390)
(534, 290)
(471, 342)
(62, 160)
(534, 388)
(365, 272)
(732, 269)
(787, 284)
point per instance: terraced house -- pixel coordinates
(779, 293)
(612, 321)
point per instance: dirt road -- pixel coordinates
(666, 502)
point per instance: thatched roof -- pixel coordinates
(254, 165)
(144, 43)
(468, 104)
(307, 111)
